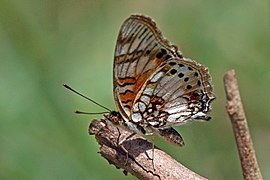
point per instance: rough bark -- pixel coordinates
(134, 154)
(250, 167)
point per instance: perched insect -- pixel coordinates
(155, 87)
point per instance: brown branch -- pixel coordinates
(250, 167)
(134, 155)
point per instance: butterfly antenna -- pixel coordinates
(69, 88)
(88, 113)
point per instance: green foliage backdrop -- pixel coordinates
(46, 43)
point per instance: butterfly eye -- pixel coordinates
(115, 120)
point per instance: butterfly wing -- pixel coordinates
(140, 49)
(178, 91)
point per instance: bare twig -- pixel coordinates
(135, 153)
(250, 167)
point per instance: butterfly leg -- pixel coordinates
(120, 143)
(123, 140)
(153, 149)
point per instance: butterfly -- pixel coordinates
(155, 87)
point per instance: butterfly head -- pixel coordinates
(114, 117)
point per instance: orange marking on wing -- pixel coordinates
(126, 80)
(137, 81)
(121, 110)
(157, 100)
(159, 61)
(142, 78)
(127, 96)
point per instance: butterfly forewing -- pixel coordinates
(155, 87)
(140, 49)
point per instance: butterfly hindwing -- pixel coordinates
(178, 91)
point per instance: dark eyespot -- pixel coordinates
(172, 63)
(173, 71)
(186, 79)
(190, 68)
(163, 51)
(196, 74)
(180, 75)
(168, 57)
(148, 52)
(199, 83)
(159, 55)
(189, 86)
(181, 65)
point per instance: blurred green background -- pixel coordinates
(47, 43)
